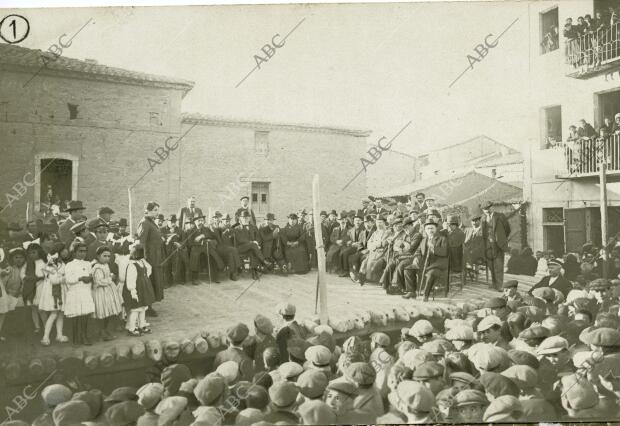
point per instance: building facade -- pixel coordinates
(80, 130)
(571, 80)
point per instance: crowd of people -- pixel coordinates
(597, 37)
(551, 354)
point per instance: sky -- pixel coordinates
(365, 66)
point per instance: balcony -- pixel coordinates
(593, 53)
(581, 157)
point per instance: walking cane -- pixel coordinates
(208, 263)
(422, 286)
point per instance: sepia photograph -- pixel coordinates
(309, 214)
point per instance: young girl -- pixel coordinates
(54, 293)
(108, 302)
(79, 303)
(11, 281)
(138, 291)
(33, 281)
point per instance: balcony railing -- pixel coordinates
(593, 52)
(582, 157)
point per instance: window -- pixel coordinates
(73, 111)
(154, 119)
(551, 132)
(553, 230)
(260, 198)
(493, 173)
(553, 215)
(549, 31)
(254, 197)
(261, 142)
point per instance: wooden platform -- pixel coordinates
(188, 310)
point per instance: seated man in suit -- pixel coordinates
(555, 279)
(202, 245)
(431, 257)
(338, 242)
(246, 241)
(227, 253)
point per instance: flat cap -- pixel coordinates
(343, 387)
(599, 284)
(317, 413)
(578, 393)
(360, 373)
(552, 345)
(124, 393)
(461, 376)
(380, 339)
(283, 394)
(421, 328)
(94, 399)
(290, 369)
(495, 303)
(510, 284)
(237, 333)
(534, 332)
(209, 389)
(470, 397)
(263, 324)
(502, 409)
(78, 227)
(55, 394)
(318, 355)
(605, 337)
(523, 375)
(556, 262)
(427, 370)
(415, 357)
(150, 394)
(297, 347)
(488, 322)
(488, 357)
(523, 358)
(412, 396)
(545, 293)
(124, 413)
(312, 383)
(95, 223)
(438, 346)
(498, 385)
(286, 309)
(173, 376)
(71, 413)
(460, 333)
(229, 370)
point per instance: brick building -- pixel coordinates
(91, 131)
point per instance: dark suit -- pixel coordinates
(227, 253)
(496, 233)
(249, 210)
(244, 237)
(286, 333)
(64, 232)
(207, 246)
(435, 257)
(561, 284)
(334, 249)
(246, 365)
(187, 213)
(356, 243)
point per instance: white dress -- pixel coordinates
(54, 275)
(79, 295)
(39, 267)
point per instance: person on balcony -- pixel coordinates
(573, 134)
(586, 130)
(608, 125)
(616, 126)
(570, 31)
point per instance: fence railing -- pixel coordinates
(590, 51)
(583, 156)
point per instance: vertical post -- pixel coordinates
(320, 251)
(130, 212)
(603, 201)
(27, 212)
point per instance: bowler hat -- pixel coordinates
(453, 219)
(271, 216)
(105, 210)
(74, 205)
(323, 213)
(359, 214)
(343, 215)
(430, 221)
(122, 222)
(173, 218)
(333, 212)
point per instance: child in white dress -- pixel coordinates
(108, 302)
(33, 281)
(54, 293)
(79, 304)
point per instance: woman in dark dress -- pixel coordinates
(529, 264)
(150, 238)
(293, 241)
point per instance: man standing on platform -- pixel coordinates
(245, 207)
(189, 212)
(495, 230)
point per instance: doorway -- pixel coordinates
(260, 198)
(57, 183)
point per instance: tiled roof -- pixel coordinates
(20, 58)
(198, 118)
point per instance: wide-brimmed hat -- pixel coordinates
(200, 216)
(271, 216)
(245, 213)
(122, 222)
(430, 222)
(75, 205)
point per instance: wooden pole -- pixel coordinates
(27, 212)
(130, 212)
(320, 251)
(603, 202)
